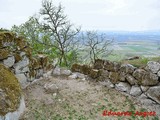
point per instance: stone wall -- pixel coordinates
(137, 82)
(18, 68)
(16, 54)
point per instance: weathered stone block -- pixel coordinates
(111, 66)
(139, 73)
(123, 86)
(21, 64)
(104, 74)
(132, 80)
(154, 93)
(122, 76)
(144, 88)
(98, 64)
(135, 91)
(20, 43)
(9, 62)
(149, 79)
(22, 80)
(94, 73)
(114, 77)
(107, 83)
(153, 66)
(127, 68)
(76, 68)
(85, 69)
(6, 39)
(4, 53)
(145, 78)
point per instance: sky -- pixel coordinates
(126, 15)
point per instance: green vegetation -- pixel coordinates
(142, 48)
(140, 62)
(68, 112)
(38, 38)
(95, 45)
(54, 35)
(51, 33)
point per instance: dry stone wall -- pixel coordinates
(16, 54)
(18, 68)
(137, 82)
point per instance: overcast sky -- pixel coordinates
(132, 15)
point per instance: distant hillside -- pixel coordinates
(121, 36)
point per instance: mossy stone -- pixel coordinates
(4, 53)
(35, 63)
(98, 64)
(94, 73)
(86, 69)
(32, 73)
(17, 57)
(10, 91)
(21, 43)
(49, 67)
(6, 37)
(28, 51)
(76, 67)
(114, 77)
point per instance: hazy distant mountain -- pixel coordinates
(138, 35)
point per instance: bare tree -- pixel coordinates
(63, 32)
(97, 45)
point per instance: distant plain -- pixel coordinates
(142, 48)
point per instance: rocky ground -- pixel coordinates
(62, 98)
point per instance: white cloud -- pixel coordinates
(17, 11)
(91, 14)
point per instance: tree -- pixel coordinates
(97, 45)
(62, 31)
(38, 38)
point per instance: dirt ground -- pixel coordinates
(78, 100)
